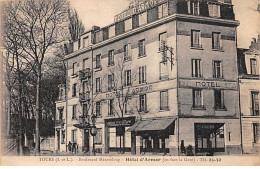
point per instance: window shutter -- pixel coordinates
(140, 74)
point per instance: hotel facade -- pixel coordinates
(162, 78)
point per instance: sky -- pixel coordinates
(101, 13)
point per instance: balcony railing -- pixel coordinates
(84, 74)
(85, 96)
(59, 123)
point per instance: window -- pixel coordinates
(255, 132)
(197, 98)
(79, 44)
(86, 86)
(219, 100)
(214, 10)
(98, 61)
(195, 39)
(216, 40)
(143, 18)
(162, 10)
(85, 42)
(98, 137)
(110, 82)
(85, 64)
(217, 72)
(111, 58)
(98, 84)
(74, 111)
(255, 104)
(128, 24)
(141, 47)
(74, 90)
(127, 52)
(62, 137)
(195, 8)
(85, 110)
(196, 68)
(163, 41)
(74, 65)
(253, 66)
(111, 31)
(98, 109)
(74, 136)
(128, 78)
(142, 103)
(142, 74)
(111, 107)
(128, 109)
(164, 100)
(164, 72)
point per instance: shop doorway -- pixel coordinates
(58, 140)
(86, 141)
(209, 138)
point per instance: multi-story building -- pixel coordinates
(161, 79)
(250, 96)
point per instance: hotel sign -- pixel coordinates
(204, 84)
(138, 9)
(127, 121)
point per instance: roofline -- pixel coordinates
(232, 23)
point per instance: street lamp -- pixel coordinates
(93, 131)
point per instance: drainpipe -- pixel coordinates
(178, 129)
(66, 98)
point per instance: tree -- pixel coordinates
(40, 24)
(76, 27)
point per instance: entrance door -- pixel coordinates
(86, 141)
(58, 139)
(209, 138)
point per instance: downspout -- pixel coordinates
(66, 98)
(178, 121)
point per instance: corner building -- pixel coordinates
(176, 60)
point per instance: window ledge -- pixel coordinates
(127, 60)
(218, 50)
(164, 109)
(196, 48)
(141, 56)
(110, 65)
(98, 69)
(143, 112)
(223, 109)
(199, 108)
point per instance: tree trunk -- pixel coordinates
(37, 114)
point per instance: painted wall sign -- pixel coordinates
(207, 84)
(132, 91)
(137, 9)
(127, 121)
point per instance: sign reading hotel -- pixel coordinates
(138, 8)
(204, 84)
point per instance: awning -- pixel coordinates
(152, 124)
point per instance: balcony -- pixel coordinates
(85, 73)
(85, 96)
(84, 122)
(59, 123)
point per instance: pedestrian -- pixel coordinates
(69, 146)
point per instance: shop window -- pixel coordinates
(164, 100)
(255, 132)
(63, 137)
(98, 109)
(74, 111)
(111, 107)
(98, 137)
(196, 68)
(74, 66)
(142, 18)
(111, 58)
(128, 78)
(74, 90)
(142, 74)
(142, 103)
(110, 82)
(197, 98)
(195, 39)
(163, 10)
(98, 61)
(219, 100)
(74, 136)
(141, 48)
(253, 66)
(85, 42)
(127, 52)
(216, 40)
(98, 85)
(255, 104)
(217, 69)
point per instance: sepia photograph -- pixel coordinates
(130, 82)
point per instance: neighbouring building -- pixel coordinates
(250, 95)
(161, 79)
